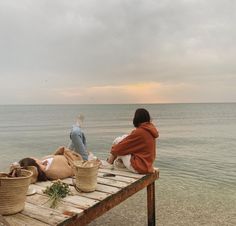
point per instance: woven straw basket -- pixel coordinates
(13, 192)
(86, 175)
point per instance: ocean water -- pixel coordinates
(196, 150)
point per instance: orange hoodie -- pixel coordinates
(141, 144)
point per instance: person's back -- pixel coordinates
(59, 168)
(141, 144)
(137, 151)
(144, 157)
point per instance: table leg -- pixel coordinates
(151, 204)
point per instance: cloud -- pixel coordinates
(113, 43)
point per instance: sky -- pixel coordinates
(117, 51)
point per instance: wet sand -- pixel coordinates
(174, 206)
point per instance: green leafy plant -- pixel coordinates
(56, 192)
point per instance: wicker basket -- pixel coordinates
(86, 175)
(13, 192)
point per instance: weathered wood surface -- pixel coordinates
(20, 219)
(151, 204)
(81, 208)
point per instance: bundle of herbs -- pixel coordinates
(56, 192)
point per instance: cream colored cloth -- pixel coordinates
(62, 164)
(123, 162)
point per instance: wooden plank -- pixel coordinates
(44, 214)
(122, 173)
(63, 207)
(20, 219)
(118, 178)
(113, 200)
(111, 182)
(37, 188)
(151, 204)
(76, 200)
(38, 199)
(101, 187)
(81, 202)
(107, 189)
(84, 207)
(96, 195)
(101, 180)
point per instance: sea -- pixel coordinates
(196, 150)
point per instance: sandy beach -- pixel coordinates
(171, 209)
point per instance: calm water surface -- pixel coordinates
(196, 149)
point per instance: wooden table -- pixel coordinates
(81, 208)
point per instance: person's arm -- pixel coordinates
(131, 144)
(111, 159)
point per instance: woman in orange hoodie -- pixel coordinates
(137, 151)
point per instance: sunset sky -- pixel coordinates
(117, 51)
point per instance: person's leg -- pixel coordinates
(84, 139)
(124, 162)
(78, 145)
(118, 163)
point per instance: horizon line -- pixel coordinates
(230, 102)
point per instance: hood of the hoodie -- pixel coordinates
(148, 126)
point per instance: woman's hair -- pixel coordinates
(31, 162)
(141, 115)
